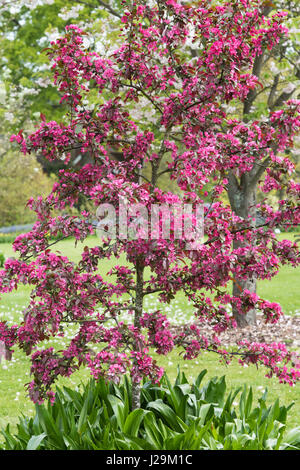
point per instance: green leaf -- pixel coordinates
(292, 439)
(242, 403)
(35, 441)
(118, 408)
(50, 427)
(200, 378)
(133, 422)
(153, 435)
(214, 391)
(230, 399)
(249, 402)
(164, 411)
(142, 443)
(173, 396)
(205, 413)
(83, 417)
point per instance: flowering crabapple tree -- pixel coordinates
(184, 132)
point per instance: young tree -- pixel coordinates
(184, 123)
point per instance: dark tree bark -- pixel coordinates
(243, 200)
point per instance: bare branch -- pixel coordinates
(257, 67)
(168, 170)
(109, 9)
(88, 4)
(140, 89)
(282, 98)
(262, 167)
(273, 90)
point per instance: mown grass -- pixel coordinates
(284, 288)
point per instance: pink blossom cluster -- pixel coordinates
(270, 355)
(159, 335)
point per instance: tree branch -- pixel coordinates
(262, 167)
(109, 8)
(273, 91)
(85, 3)
(282, 98)
(257, 67)
(140, 89)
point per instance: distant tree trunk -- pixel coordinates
(243, 200)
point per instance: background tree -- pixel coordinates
(27, 27)
(20, 179)
(278, 69)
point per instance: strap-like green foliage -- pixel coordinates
(179, 416)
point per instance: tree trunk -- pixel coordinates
(136, 395)
(243, 200)
(240, 285)
(136, 386)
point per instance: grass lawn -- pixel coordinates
(284, 288)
